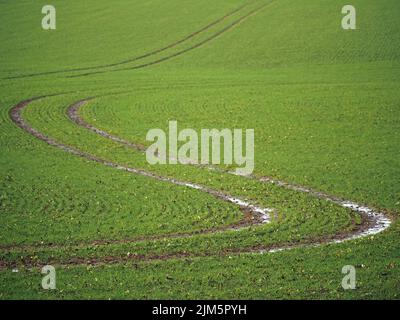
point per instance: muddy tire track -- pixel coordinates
(30, 262)
(378, 221)
(252, 215)
(372, 222)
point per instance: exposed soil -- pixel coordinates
(372, 222)
(252, 215)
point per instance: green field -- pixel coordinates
(325, 107)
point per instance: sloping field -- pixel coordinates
(76, 191)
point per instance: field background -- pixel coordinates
(324, 104)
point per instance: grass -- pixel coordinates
(324, 106)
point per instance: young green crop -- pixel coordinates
(324, 105)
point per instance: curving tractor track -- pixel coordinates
(373, 222)
(99, 68)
